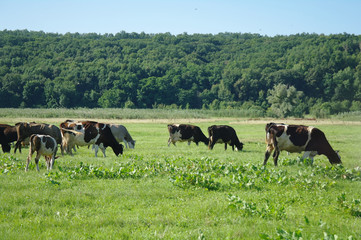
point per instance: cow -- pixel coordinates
(25, 130)
(95, 133)
(43, 145)
(224, 134)
(8, 135)
(298, 138)
(121, 134)
(185, 133)
(72, 125)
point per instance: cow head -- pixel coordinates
(118, 149)
(239, 146)
(131, 144)
(335, 158)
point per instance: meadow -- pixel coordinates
(184, 192)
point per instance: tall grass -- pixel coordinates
(348, 116)
(125, 113)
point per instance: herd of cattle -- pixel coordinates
(44, 139)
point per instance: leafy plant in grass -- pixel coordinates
(283, 234)
(193, 175)
(268, 211)
(10, 164)
(353, 207)
(339, 172)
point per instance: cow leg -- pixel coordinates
(69, 149)
(126, 143)
(103, 150)
(310, 155)
(27, 162)
(169, 142)
(47, 161)
(62, 149)
(37, 161)
(5, 147)
(17, 145)
(211, 145)
(52, 161)
(225, 146)
(96, 148)
(275, 156)
(267, 154)
(189, 143)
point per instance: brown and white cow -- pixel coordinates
(43, 145)
(223, 134)
(185, 133)
(121, 134)
(95, 133)
(71, 125)
(298, 138)
(8, 135)
(25, 130)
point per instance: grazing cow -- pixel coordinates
(121, 134)
(185, 133)
(25, 130)
(297, 138)
(95, 133)
(223, 134)
(8, 135)
(43, 145)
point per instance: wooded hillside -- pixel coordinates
(281, 75)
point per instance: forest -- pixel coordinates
(277, 76)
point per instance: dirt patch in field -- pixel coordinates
(56, 121)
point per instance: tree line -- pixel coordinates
(280, 76)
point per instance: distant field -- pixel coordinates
(184, 192)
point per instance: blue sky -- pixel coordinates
(266, 17)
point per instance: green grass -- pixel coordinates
(186, 192)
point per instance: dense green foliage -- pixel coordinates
(226, 70)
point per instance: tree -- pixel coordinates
(284, 100)
(112, 98)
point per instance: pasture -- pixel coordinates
(185, 192)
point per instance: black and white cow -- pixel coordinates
(185, 133)
(223, 134)
(43, 145)
(95, 133)
(298, 138)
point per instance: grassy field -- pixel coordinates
(185, 192)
